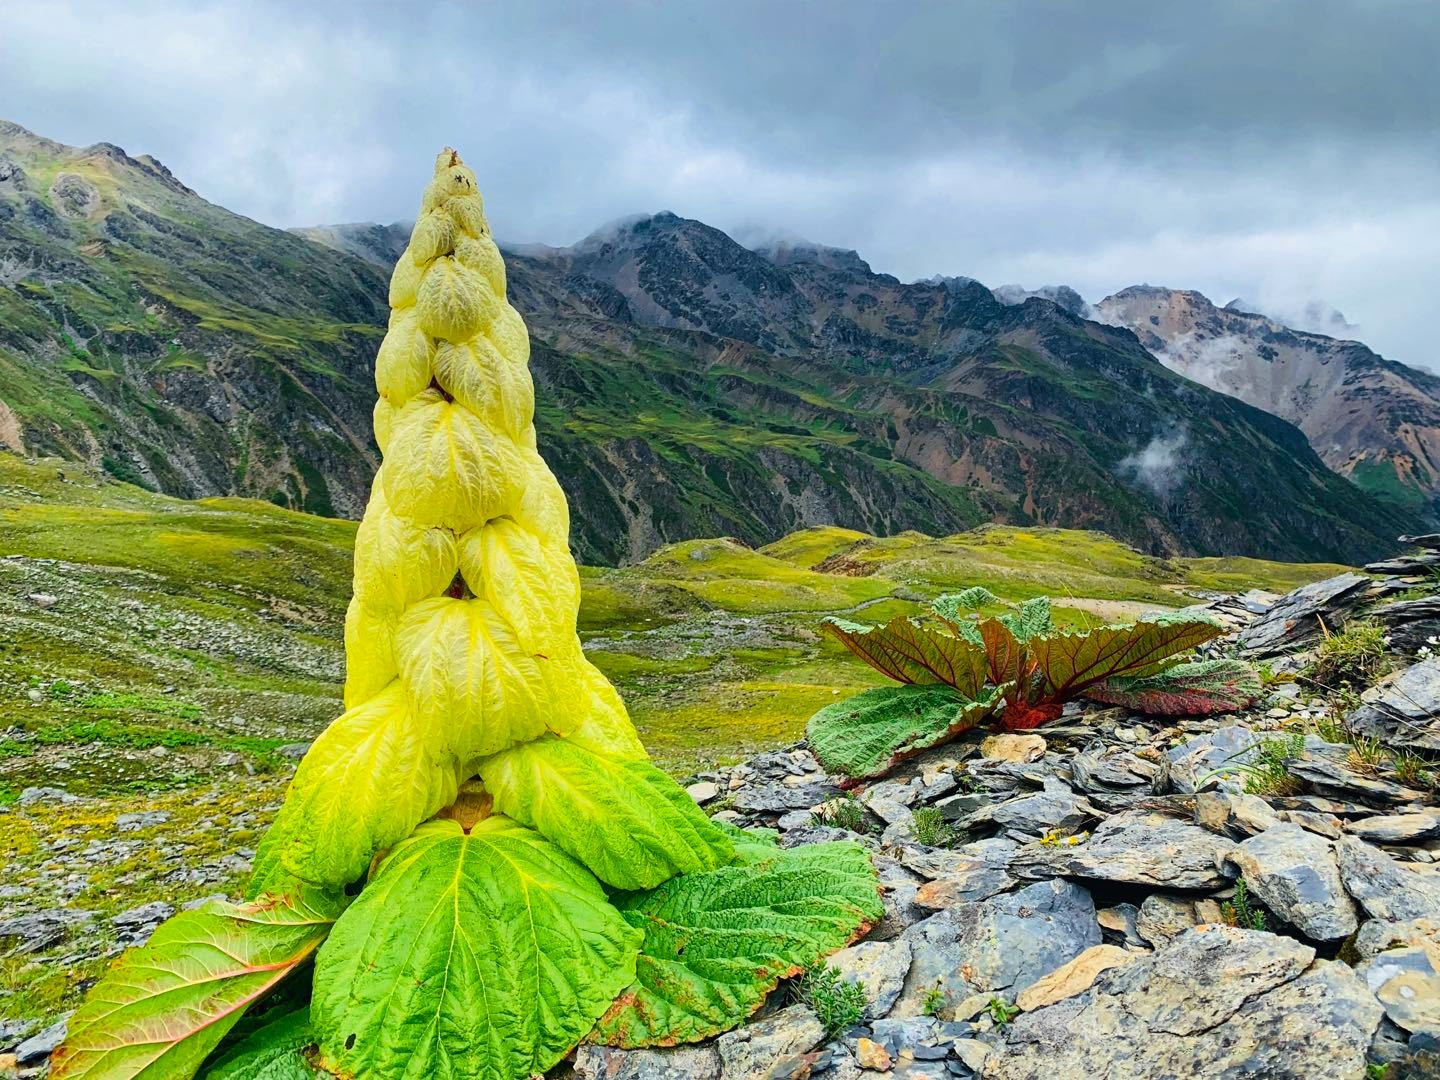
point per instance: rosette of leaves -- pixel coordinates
(477, 861)
(958, 668)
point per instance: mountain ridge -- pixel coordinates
(688, 385)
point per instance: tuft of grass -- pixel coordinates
(1366, 754)
(1412, 770)
(838, 1002)
(1239, 911)
(1268, 775)
(1355, 657)
(931, 828)
(844, 812)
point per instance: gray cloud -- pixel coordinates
(1281, 151)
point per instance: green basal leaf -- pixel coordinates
(716, 944)
(160, 1010)
(628, 822)
(479, 956)
(1196, 689)
(271, 1052)
(912, 652)
(869, 734)
(1072, 663)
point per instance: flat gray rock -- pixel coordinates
(1294, 873)
(1293, 621)
(1045, 811)
(37, 1048)
(1403, 710)
(754, 1051)
(1218, 1004)
(878, 966)
(999, 946)
(1396, 828)
(1407, 982)
(1342, 782)
(1135, 848)
(682, 1063)
(1383, 887)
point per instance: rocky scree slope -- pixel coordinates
(690, 386)
(1371, 419)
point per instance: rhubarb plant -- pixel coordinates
(959, 669)
(476, 866)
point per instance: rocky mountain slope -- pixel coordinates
(162, 664)
(180, 345)
(688, 385)
(1371, 419)
(1021, 413)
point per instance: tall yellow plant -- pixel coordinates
(460, 640)
(444, 847)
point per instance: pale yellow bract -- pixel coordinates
(460, 641)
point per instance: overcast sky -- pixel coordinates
(1280, 150)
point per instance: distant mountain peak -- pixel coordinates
(791, 252)
(1061, 295)
(1369, 418)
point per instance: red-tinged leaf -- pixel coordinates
(160, 1010)
(1074, 662)
(1199, 689)
(1006, 659)
(911, 652)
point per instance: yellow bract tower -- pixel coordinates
(461, 640)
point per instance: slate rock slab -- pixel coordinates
(1135, 848)
(752, 1052)
(1385, 888)
(998, 946)
(1293, 621)
(1407, 982)
(1404, 709)
(1294, 873)
(1397, 828)
(880, 968)
(1219, 1004)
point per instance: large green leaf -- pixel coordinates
(272, 1052)
(161, 1009)
(914, 652)
(716, 944)
(479, 956)
(1197, 689)
(630, 823)
(1074, 662)
(869, 734)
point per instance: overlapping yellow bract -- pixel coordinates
(460, 640)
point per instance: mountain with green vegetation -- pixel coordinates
(179, 345)
(687, 385)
